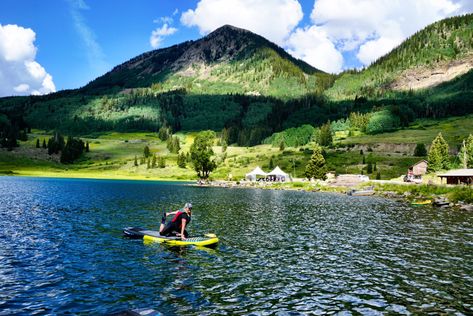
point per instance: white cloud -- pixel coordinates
(374, 27)
(94, 51)
(158, 35)
(273, 19)
(20, 74)
(312, 45)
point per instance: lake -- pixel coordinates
(280, 252)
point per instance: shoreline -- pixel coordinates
(442, 195)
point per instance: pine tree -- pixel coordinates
(325, 135)
(271, 163)
(136, 162)
(148, 165)
(378, 175)
(44, 144)
(153, 162)
(374, 166)
(466, 152)
(162, 162)
(37, 143)
(438, 154)
(87, 148)
(364, 161)
(315, 168)
(181, 160)
(420, 150)
(146, 151)
(369, 168)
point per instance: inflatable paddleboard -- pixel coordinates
(207, 240)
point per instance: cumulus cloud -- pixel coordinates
(273, 19)
(20, 74)
(372, 28)
(158, 35)
(312, 45)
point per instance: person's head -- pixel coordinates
(188, 207)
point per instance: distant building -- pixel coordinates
(418, 169)
(458, 176)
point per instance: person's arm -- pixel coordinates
(171, 213)
(183, 227)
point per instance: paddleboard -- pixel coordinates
(152, 236)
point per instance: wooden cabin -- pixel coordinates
(418, 169)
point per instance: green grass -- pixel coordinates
(453, 129)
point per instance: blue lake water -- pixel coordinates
(61, 251)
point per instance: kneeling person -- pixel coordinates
(178, 223)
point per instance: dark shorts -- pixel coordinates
(172, 230)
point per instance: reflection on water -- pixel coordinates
(61, 251)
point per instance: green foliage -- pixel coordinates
(201, 153)
(135, 162)
(359, 121)
(325, 135)
(164, 133)
(382, 121)
(173, 144)
(72, 150)
(44, 144)
(56, 144)
(378, 175)
(146, 152)
(292, 137)
(420, 150)
(466, 152)
(37, 143)
(438, 154)
(181, 160)
(161, 162)
(315, 168)
(153, 161)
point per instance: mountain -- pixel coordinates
(237, 82)
(228, 60)
(436, 54)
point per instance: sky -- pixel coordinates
(46, 46)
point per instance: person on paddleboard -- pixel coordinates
(178, 223)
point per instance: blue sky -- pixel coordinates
(62, 44)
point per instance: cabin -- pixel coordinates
(458, 176)
(418, 169)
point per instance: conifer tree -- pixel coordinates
(146, 151)
(181, 160)
(466, 152)
(153, 162)
(44, 144)
(37, 143)
(162, 162)
(87, 148)
(136, 162)
(420, 150)
(315, 168)
(438, 154)
(378, 175)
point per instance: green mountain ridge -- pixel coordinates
(439, 45)
(237, 82)
(228, 60)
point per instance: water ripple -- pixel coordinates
(281, 253)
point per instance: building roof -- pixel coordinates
(421, 161)
(277, 172)
(458, 173)
(256, 172)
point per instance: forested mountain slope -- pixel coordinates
(438, 53)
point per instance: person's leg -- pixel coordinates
(163, 222)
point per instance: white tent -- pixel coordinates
(278, 175)
(253, 175)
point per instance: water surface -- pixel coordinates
(281, 252)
